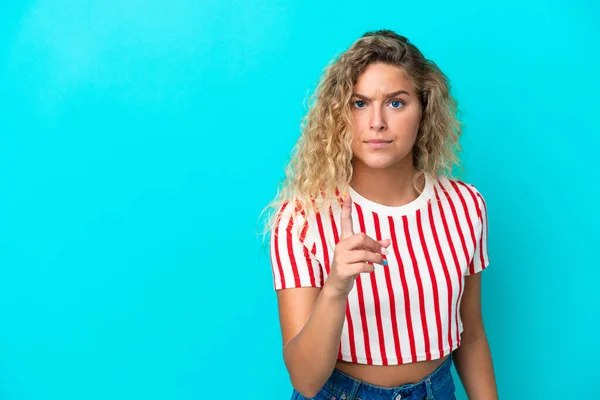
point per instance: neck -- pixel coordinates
(390, 186)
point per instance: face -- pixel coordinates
(386, 114)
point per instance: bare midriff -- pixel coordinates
(390, 375)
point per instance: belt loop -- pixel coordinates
(429, 390)
(354, 391)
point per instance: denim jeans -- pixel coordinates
(439, 385)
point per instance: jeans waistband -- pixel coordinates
(351, 386)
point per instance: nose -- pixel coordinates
(378, 123)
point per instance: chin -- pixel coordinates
(380, 162)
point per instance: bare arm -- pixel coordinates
(312, 318)
(473, 359)
(311, 323)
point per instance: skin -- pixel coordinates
(312, 318)
(385, 175)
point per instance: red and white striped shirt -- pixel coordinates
(408, 311)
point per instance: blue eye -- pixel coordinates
(396, 103)
(358, 101)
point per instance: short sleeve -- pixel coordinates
(293, 264)
(480, 259)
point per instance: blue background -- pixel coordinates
(140, 140)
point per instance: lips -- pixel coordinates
(378, 143)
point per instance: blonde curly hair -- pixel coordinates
(320, 168)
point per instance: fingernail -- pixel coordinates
(385, 262)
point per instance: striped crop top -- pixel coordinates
(408, 311)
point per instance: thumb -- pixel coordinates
(385, 242)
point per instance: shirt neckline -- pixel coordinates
(405, 209)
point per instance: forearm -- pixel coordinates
(473, 362)
(311, 355)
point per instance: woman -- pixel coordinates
(375, 249)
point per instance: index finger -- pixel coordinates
(346, 221)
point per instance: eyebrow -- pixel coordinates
(387, 96)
